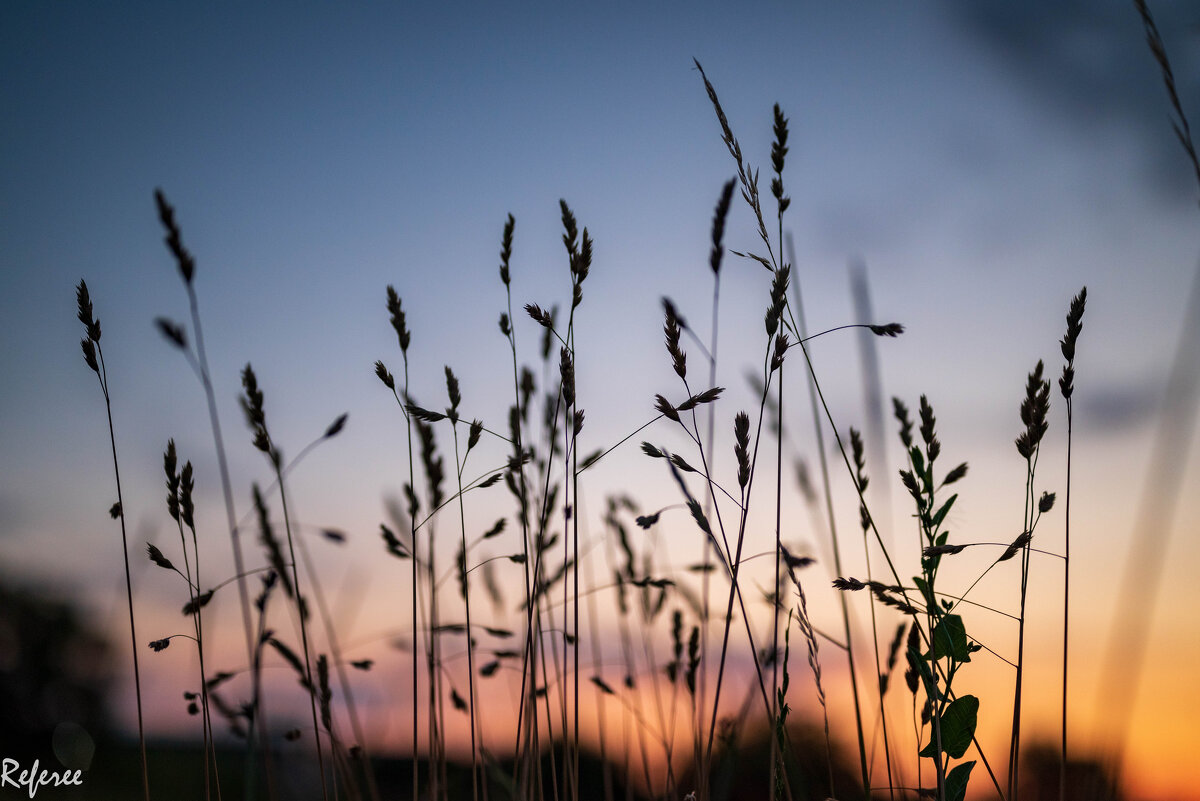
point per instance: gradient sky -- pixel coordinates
(984, 160)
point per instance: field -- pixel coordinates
(561, 527)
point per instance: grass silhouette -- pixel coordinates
(677, 661)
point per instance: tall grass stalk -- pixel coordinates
(339, 664)
(1066, 385)
(778, 694)
(814, 391)
(186, 266)
(601, 704)
(778, 153)
(187, 271)
(476, 428)
(861, 480)
(528, 747)
(716, 256)
(182, 510)
(93, 356)
(751, 196)
(1034, 410)
(747, 462)
(252, 405)
(399, 323)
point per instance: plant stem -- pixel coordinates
(137, 676)
(470, 637)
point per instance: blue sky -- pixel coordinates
(985, 160)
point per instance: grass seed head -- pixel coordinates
(928, 421)
(900, 412)
(169, 467)
(665, 408)
(271, 543)
(778, 152)
(693, 660)
(1066, 383)
(718, 227)
(336, 426)
(174, 240)
(506, 250)
(779, 285)
(156, 556)
(671, 331)
(741, 448)
(888, 330)
(172, 332)
(1034, 410)
(1016, 546)
(454, 394)
(956, 474)
(399, 321)
(187, 507)
(382, 372)
(434, 469)
(566, 369)
(781, 347)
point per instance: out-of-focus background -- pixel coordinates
(978, 163)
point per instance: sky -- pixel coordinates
(984, 161)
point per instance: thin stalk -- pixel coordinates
(206, 720)
(705, 580)
(223, 469)
(775, 755)
(518, 451)
(187, 267)
(735, 591)
(1014, 752)
(415, 581)
(814, 391)
(601, 714)
(343, 679)
(466, 586)
(1062, 762)
(887, 751)
(301, 612)
(92, 350)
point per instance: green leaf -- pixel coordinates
(956, 781)
(950, 639)
(927, 680)
(926, 593)
(918, 461)
(958, 727)
(940, 514)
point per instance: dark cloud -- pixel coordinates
(1117, 407)
(1087, 62)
